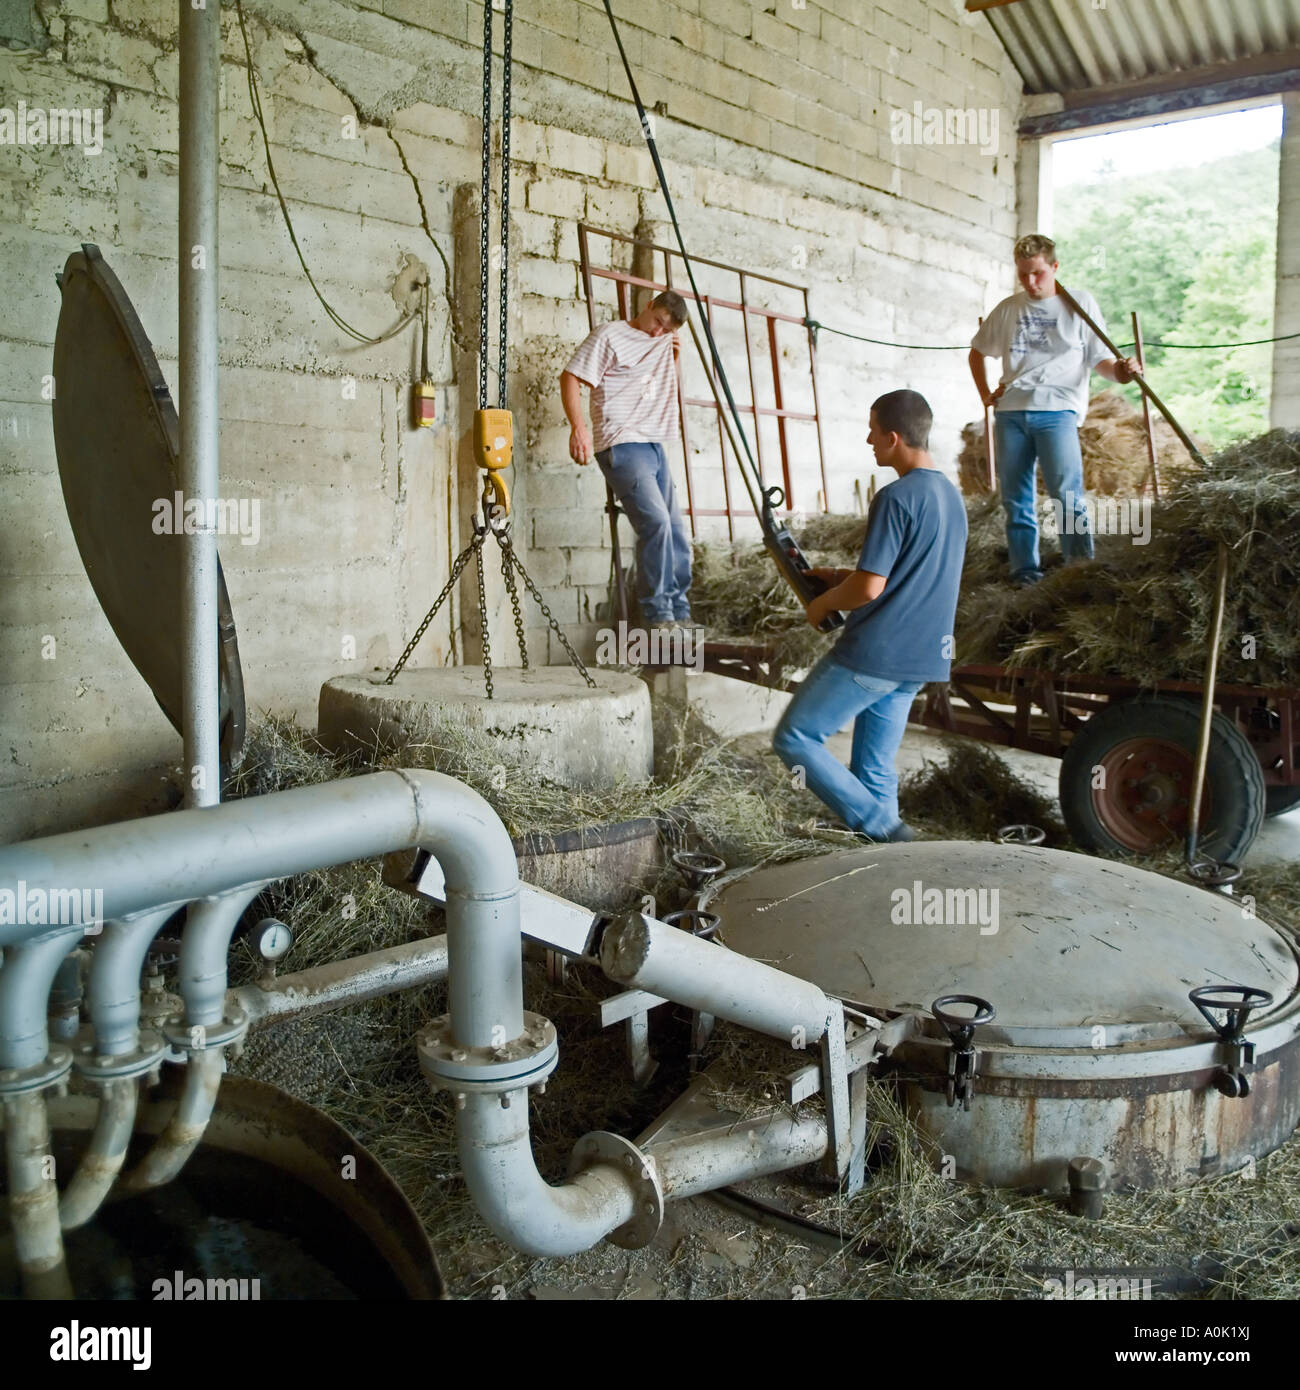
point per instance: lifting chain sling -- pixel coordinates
(494, 428)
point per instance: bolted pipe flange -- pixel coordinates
(612, 1149)
(43, 1076)
(521, 1061)
(203, 1037)
(149, 1051)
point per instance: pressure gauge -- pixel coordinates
(272, 939)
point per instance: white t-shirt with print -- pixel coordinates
(634, 385)
(1047, 351)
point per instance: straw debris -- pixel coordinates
(910, 1233)
(1141, 610)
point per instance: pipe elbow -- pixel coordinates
(515, 1200)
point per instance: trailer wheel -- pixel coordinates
(1126, 781)
(1279, 800)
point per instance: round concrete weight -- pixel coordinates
(578, 736)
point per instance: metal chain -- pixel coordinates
(508, 574)
(480, 536)
(505, 197)
(537, 598)
(485, 211)
(457, 569)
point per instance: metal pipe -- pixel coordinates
(205, 952)
(702, 1162)
(113, 1001)
(205, 955)
(343, 982)
(485, 991)
(516, 1201)
(150, 863)
(1207, 705)
(25, 983)
(114, 1008)
(104, 1156)
(641, 952)
(34, 1197)
(198, 260)
(186, 1127)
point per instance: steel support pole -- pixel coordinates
(197, 262)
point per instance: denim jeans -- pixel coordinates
(1051, 437)
(865, 794)
(639, 477)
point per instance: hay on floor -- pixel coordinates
(910, 1233)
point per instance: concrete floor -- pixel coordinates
(735, 707)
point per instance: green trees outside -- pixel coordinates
(1194, 252)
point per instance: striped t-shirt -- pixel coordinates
(634, 385)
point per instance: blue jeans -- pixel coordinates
(1052, 438)
(865, 794)
(639, 477)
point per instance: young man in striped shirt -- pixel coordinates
(629, 367)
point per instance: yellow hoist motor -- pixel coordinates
(494, 442)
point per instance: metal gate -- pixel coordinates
(803, 479)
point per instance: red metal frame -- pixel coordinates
(1047, 709)
(792, 478)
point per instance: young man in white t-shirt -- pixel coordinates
(629, 367)
(1047, 352)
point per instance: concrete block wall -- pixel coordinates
(775, 121)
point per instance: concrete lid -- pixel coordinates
(1057, 942)
(117, 440)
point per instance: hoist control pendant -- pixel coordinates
(494, 442)
(424, 395)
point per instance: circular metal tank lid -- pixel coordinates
(117, 438)
(1058, 943)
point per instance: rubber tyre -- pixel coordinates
(1143, 814)
(1279, 800)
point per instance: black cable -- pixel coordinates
(255, 100)
(719, 370)
(818, 327)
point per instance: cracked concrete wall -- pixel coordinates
(775, 121)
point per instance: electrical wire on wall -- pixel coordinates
(255, 100)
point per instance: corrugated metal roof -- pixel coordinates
(1071, 46)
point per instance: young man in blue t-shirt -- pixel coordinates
(900, 603)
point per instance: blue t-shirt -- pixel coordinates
(916, 538)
